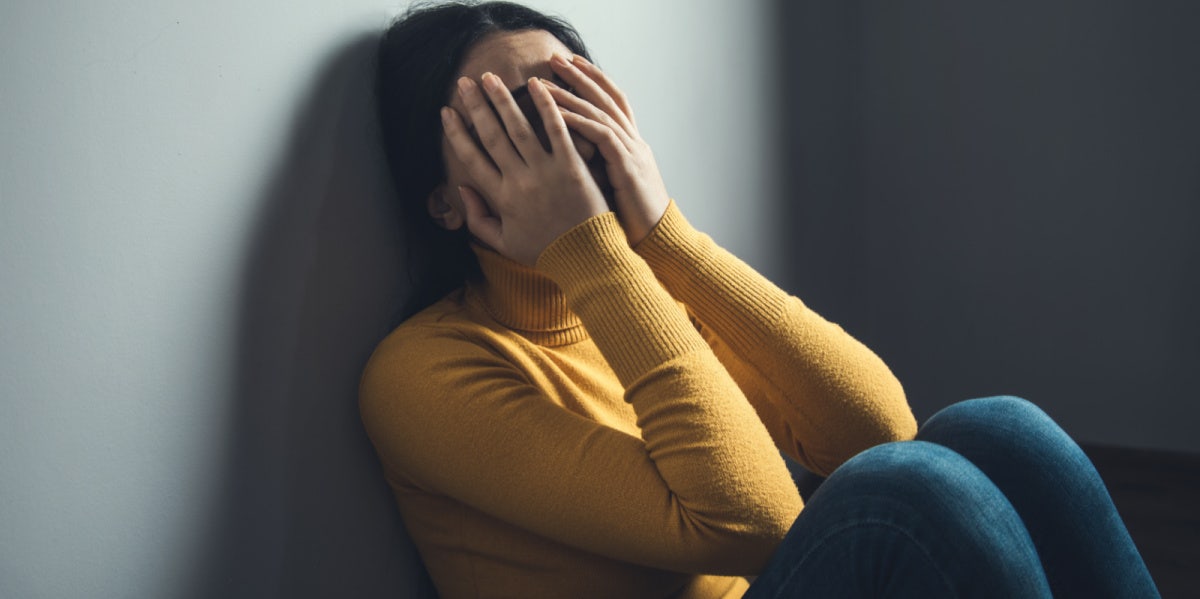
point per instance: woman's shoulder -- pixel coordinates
(455, 319)
(422, 374)
(431, 347)
(448, 321)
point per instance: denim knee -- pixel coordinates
(1054, 488)
(990, 409)
(936, 503)
(1003, 415)
(917, 473)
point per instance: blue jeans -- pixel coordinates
(993, 499)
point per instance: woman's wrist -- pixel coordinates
(574, 253)
(673, 243)
(644, 221)
(633, 320)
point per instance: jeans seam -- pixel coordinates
(792, 569)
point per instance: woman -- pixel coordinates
(590, 397)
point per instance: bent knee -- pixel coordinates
(925, 478)
(990, 410)
(902, 463)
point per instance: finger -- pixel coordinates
(520, 132)
(589, 90)
(605, 139)
(479, 166)
(552, 118)
(480, 221)
(605, 82)
(491, 133)
(570, 101)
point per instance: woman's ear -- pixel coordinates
(448, 215)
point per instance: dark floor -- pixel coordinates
(1158, 495)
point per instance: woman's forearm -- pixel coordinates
(823, 394)
(704, 438)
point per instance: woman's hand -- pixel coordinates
(601, 114)
(530, 196)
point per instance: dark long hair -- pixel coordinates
(419, 56)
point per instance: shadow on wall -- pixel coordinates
(304, 510)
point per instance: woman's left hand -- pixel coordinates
(601, 114)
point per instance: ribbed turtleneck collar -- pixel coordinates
(522, 299)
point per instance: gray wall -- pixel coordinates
(199, 252)
(1004, 197)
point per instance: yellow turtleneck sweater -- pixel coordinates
(608, 424)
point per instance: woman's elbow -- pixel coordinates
(743, 546)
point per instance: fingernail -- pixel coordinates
(464, 84)
(445, 114)
(579, 59)
(560, 59)
(491, 82)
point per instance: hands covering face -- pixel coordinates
(534, 194)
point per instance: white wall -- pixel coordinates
(198, 254)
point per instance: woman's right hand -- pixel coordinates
(527, 196)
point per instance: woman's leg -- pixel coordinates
(1084, 546)
(909, 519)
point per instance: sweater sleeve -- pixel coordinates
(823, 395)
(703, 490)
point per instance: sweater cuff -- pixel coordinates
(634, 321)
(724, 292)
(672, 235)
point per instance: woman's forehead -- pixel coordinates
(514, 56)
